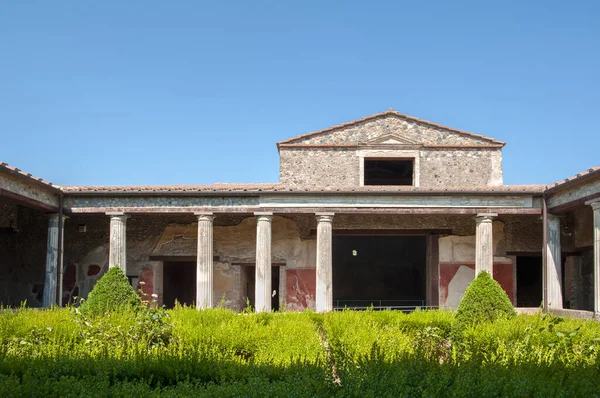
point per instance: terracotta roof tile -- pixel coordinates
(573, 179)
(274, 188)
(27, 176)
(386, 113)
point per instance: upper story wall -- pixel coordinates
(441, 156)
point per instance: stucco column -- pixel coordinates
(262, 295)
(553, 263)
(118, 241)
(596, 208)
(204, 261)
(52, 262)
(484, 245)
(324, 287)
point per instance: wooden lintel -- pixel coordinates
(567, 207)
(178, 258)
(28, 202)
(254, 264)
(312, 210)
(386, 232)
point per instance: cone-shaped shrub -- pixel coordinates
(484, 301)
(111, 293)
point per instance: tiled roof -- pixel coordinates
(279, 188)
(387, 113)
(26, 176)
(574, 179)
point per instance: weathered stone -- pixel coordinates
(484, 246)
(53, 262)
(324, 286)
(263, 262)
(118, 241)
(204, 267)
(553, 264)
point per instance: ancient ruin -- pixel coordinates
(387, 211)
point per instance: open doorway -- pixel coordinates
(529, 281)
(379, 271)
(249, 286)
(179, 283)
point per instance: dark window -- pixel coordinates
(389, 171)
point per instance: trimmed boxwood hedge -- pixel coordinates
(484, 301)
(112, 292)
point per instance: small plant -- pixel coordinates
(484, 301)
(111, 293)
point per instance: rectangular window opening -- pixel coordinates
(389, 171)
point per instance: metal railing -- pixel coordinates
(379, 305)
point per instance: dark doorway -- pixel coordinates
(388, 171)
(249, 283)
(383, 271)
(179, 283)
(529, 281)
(275, 288)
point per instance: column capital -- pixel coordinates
(54, 216)
(555, 217)
(205, 216)
(263, 215)
(117, 214)
(485, 217)
(324, 217)
(595, 203)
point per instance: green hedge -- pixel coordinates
(184, 352)
(112, 292)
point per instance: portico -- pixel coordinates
(272, 245)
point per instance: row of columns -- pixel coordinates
(484, 257)
(263, 288)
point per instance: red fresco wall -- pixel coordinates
(300, 289)
(503, 273)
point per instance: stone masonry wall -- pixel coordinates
(411, 131)
(321, 167)
(318, 166)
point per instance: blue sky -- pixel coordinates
(149, 92)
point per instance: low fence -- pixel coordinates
(382, 305)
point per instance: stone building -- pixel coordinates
(388, 210)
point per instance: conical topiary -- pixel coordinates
(112, 292)
(484, 301)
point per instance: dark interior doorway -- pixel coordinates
(529, 281)
(179, 283)
(249, 278)
(385, 271)
(388, 171)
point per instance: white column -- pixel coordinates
(553, 263)
(596, 208)
(204, 261)
(324, 287)
(263, 289)
(52, 263)
(484, 245)
(118, 242)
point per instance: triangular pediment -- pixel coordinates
(391, 139)
(390, 128)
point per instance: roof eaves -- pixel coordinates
(574, 180)
(28, 177)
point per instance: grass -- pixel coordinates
(184, 352)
